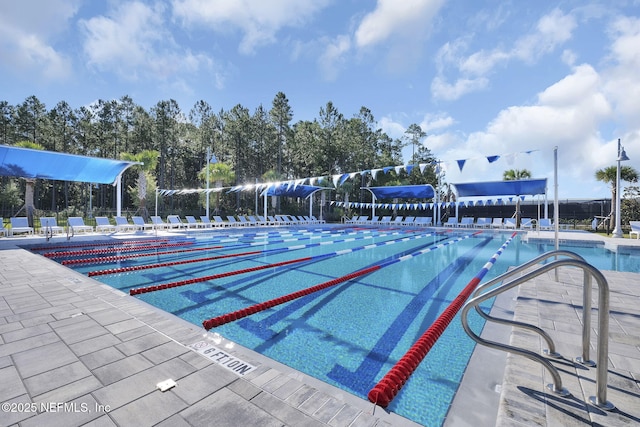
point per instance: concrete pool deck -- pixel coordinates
(90, 354)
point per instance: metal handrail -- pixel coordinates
(70, 229)
(551, 351)
(600, 399)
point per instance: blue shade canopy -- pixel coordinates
(292, 191)
(28, 163)
(524, 187)
(403, 192)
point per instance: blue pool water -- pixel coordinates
(351, 334)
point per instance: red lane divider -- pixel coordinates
(115, 258)
(109, 243)
(106, 251)
(168, 264)
(153, 288)
(389, 386)
(247, 311)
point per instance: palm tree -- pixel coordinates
(30, 184)
(220, 174)
(608, 175)
(149, 160)
(514, 175)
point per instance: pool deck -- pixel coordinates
(90, 354)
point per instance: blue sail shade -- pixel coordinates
(403, 192)
(27, 163)
(523, 187)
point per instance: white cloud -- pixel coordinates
(623, 79)
(551, 31)
(258, 20)
(407, 19)
(133, 43)
(28, 31)
(332, 59)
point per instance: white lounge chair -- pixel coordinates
(123, 225)
(174, 221)
(3, 230)
(483, 223)
(452, 221)
(77, 224)
(243, 220)
(233, 222)
(158, 223)
(219, 222)
(103, 225)
(50, 225)
(19, 225)
(466, 222)
(408, 220)
(526, 224)
(140, 224)
(545, 224)
(317, 221)
(206, 222)
(497, 223)
(255, 221)
(423, 221)
(635, 229)
(510, 223)
(192, 223)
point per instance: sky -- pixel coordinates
(482, 78)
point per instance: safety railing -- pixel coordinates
(483, 293)
(69, 232)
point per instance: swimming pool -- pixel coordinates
(348, 335)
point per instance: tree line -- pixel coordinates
(257, 146)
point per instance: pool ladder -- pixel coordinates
(483, 293)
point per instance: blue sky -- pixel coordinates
(482, 78)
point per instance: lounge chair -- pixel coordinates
(140, 224)
(466, 222)
(20, 224)
(635, 229)
(526, 224)
(263, 220)
(174, 221)
(77, 224)
(243, 220)
(103, 225)
(192, 223)
(385, 220)
(219, 222)
(545, 224)
(123, 225)
(255, 221)
(452, 221)
(317, 221)
(408, 220)
(497, 223)
(206, 222)
(233, 222)
(373, 220)
(423, 221)
(3, 231)
(397, 220)
(483, 223)
(283, 220)
(50, 225)
(158, 223)
(510, 223)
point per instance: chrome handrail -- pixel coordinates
(551, 351)
(70, 229)
(600, 399)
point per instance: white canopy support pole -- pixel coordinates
(457, 209)
(556, 214)
(156, 202)
(207, 164)
(310, 205)
(119, 196)
(265, 204)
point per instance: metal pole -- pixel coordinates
(207, 164)
(617, 231)
(119, 196)
(556, 214)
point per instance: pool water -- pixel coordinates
(350, 334)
